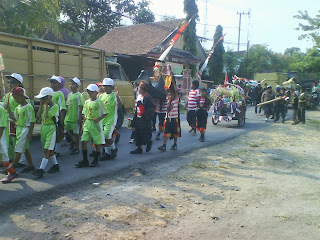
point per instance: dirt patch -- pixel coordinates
(262, 185)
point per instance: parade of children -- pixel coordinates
(94, 121)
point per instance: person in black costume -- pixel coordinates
(142, 119)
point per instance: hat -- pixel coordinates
(45, 92)
(269, 86)
(93, 88)
(54, 77)
(15, 76)
(76, 80)
(19, 91)
(108, 82)
(259, 82)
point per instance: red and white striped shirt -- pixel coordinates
(192, 99)
(174, 113)
(162, 108)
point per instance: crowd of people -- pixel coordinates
(63, 114)
(275, 103)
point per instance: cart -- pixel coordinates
(229, 104)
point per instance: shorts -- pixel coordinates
(268, 109)
(172, 128)
(48, 136)
(161, 120)
(108, 131)
(4, 146)
(94, 131)
(22, 142)
(72, 126)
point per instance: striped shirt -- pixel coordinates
(192, 99)
(162, 108)
(174, 113)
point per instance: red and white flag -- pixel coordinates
(208, 58)
(174, 40)
(226, 79)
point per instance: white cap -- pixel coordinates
(16, 76)
(45, 92)
(108, 82)
(54, 77)
(76, 80)
(93, 88)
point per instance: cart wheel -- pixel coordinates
(214, 121)
(241, 120)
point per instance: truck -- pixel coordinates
(37, 60)
(272, 79)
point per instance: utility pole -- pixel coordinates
(241, 13)
(205, 20)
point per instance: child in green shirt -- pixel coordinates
(58, 98)
(48, 113)
(73, 119)
(24, 119)
(94, 111)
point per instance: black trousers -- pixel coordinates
(191, 118)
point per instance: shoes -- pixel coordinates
(293, 124)
(173, 147)
(105, 157)
(272, 117)
(162, 148)
(39, 173)
(266, 119)
(117, 139)
(201, 139)
(9, 177)
(20, 165)
(71, 147)
(131, 140)
(54, 168)
(149, 146)
(82, 164)
(157, 137)
(27, 169)
(74, 151)
(94, 163)
(114, 153)
(283, 121)
(137, 151)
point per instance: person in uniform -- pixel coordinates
(302, 106)
(267, 96)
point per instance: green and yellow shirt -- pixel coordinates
(53, 112)
(24, 115)
(110, 101)
(58, 98)
(94, 109)
(74, 102)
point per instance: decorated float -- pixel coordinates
(229, 104)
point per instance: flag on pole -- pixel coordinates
(226, 79)
(208, 58)
(173, 40)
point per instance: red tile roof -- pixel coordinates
(136, 39)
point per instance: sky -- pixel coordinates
(270, 22)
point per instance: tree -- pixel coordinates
(311, 27)
(231, 62)
(189, 36)
(216, 61)
(29, 18)
(90, 21)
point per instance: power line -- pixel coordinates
(241, 13)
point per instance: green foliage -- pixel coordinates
(231, 62)
(90, 21)
(306, 62)
(311, 27)
(216, 61)
(189, 37)
(29, 18)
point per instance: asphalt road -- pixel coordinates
(26, 186)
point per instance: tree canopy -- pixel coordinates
(84, 20)
(311, 27)
(216, 61)
(189, 36)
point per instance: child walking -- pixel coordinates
(4, 141)
(171, 123)
(24, 118)
(49, 114)
(202, 113)
(194, 94)
(94, 111)
(58, 98)
(73, 120)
